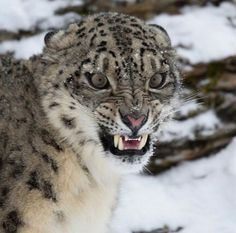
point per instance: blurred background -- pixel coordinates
(190, 184)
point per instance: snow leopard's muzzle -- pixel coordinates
(128, 136)
(132, 143)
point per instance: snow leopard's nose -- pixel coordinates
(134, 122)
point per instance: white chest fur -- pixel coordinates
(90, 215)
(85, 206)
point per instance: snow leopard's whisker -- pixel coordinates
(146, 169)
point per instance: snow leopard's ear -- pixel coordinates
(61, 39)
(48, 36)
(161, 35)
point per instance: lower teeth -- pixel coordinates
(118, 142)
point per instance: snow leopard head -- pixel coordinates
(108, 81)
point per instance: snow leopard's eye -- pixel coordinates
(157, 81)
(97, 80)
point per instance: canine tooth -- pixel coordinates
(143, 141)
(116, 140)
(139, 138)
(126, 138)
(121, 145)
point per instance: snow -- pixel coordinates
(202, 34)
(198, 196)
(25, 47)
(202, 125)
(26, 14)
(189, 107)
(59, 21)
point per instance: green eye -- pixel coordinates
(97, 80)
(157, 81)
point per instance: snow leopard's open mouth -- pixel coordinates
(125, 145)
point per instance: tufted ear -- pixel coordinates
(161, 35)
(61, 39)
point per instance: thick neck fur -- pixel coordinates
(88, 155)
(86, 182)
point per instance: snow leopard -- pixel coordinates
(79, 116)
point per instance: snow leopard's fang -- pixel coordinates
(130, 143)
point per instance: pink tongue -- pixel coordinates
(131, 144)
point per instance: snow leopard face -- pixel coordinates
(108, 80)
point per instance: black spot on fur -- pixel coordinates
(103, 43)
(127, 30)
(42, 185)
(105, 64)
(88, 60)
(101, 49)
(3, 196)
(56, 86)
(16, 162)
(50, 161)
(80, 23)
(2, 202)
(61, 71)
(82, 142)
(80, 30)
(12, 222)
(92, 39)
(1, 163)
(81, 35)
(72, 107)
(33, 181)
(85, 169)
(68, 122)
(48, 191)
(102, 33)
(18, 170)
(49, 140)
(54, 104)
(91, 30)
(112, 53)
(77, 73)
(100, 24)
(110, 21)
(4, 191)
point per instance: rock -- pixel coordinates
(227, 110)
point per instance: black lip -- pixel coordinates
(108, 145)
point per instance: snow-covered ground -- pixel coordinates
(18, 15)
(199, 196)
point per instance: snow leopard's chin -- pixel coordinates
(128, 153)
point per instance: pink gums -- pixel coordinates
(131, 144)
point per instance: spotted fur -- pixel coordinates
(56, 171)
